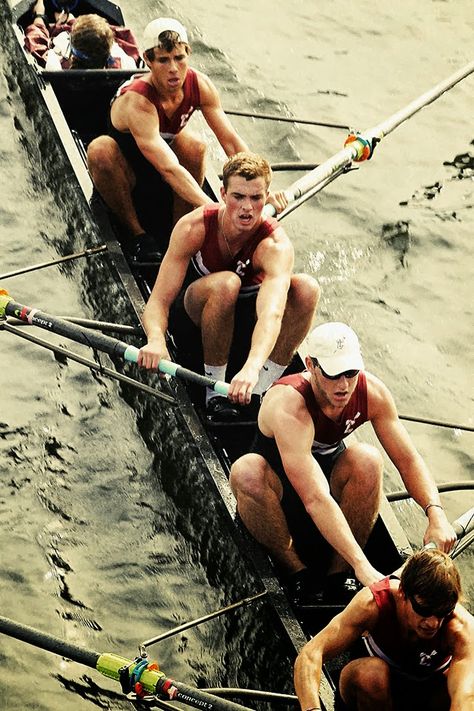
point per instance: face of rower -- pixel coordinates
(335, 393)
(168, 69)
(424, 627)
(244, 201)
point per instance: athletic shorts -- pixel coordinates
(408, 694)
(187, 336)
(311, 546)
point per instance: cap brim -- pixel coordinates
(335, 365)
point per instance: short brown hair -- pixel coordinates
(92, 36)
(248, 166)
(433, 576)
(169, 40)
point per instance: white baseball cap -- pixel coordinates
(336, 347)
(151, 35)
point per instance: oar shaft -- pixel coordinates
(464, 524)
(391, 123)
(49, 642)
(352, 151)
(101, 342)
(110, 664)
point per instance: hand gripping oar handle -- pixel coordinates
(113, 666)
(100, 341)
(361, 145)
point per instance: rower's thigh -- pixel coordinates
(361, 464)
(225, 285)
(189, 148)
(366, 678)
(252, 475)
(104, 156)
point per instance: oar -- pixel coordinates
(99, 341)
(446, 486)
(60, 260)
(126, 671)
(287, 119)
(361, 145)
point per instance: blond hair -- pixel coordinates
(248, 166)
(93, 38)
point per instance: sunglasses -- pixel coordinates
(427, 611)
(346, 374)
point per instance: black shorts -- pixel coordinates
(408, 694)
(187, 336)
(311, 546)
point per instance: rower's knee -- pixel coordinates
(100, 153)
(365, 679)
(304, 292)
(247, 476)
(366, 462)
(226, 288)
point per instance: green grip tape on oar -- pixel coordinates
(101, 342)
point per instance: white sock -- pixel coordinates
(216, 372)
(270, 372)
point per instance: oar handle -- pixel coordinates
(177, 371)
(101, 342)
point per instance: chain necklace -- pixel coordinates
(231, 254)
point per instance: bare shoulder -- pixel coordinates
(282, 407)
(460, 630)
(190, 228)
(379, 397)
(207, 89)
(130, 108)
(275, 249)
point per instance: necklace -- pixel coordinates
(231, 254)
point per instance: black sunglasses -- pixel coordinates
(346, 373)
(427, 611)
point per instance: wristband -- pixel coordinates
(438, 506)
(43, 17)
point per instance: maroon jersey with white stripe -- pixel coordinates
(328, 434)
(210, 260)
(415, 660)
(169, 127)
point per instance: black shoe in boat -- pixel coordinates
(142, 249)
(220, 409)
(339, 589)
(304, 589)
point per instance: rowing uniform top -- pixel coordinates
(169, 127)
(328, 433)
(210, 260)
(384, 641)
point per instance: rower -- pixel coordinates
(151, 148)
(61, 41)
(301, 488)
(411, 642)
(241, 273)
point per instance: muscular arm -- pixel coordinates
(135, 113)
(217, 120)
(461, 670)
(336, 637)
(274, 257)
(185, 241)
(419, 483)
(285, 415)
